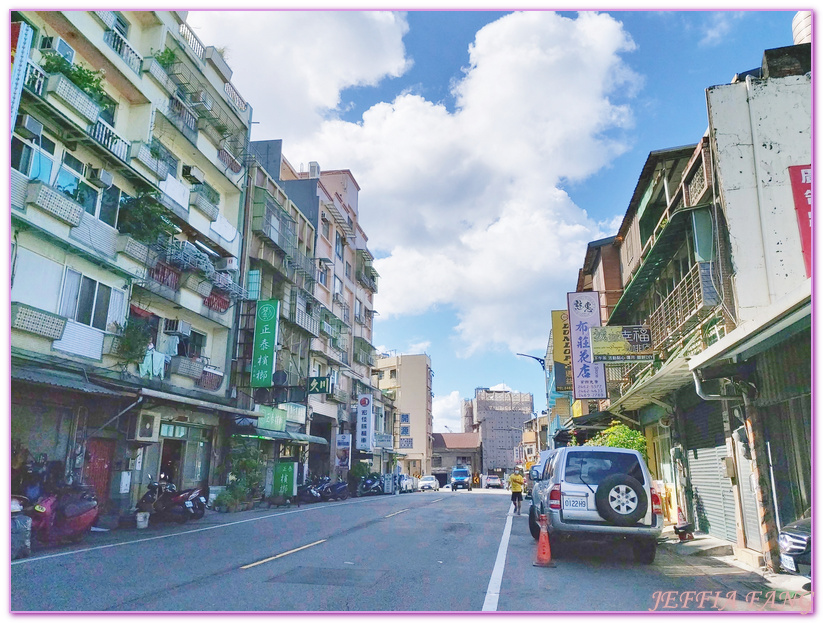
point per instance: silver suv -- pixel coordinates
(598, 493)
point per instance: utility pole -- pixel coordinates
(542, 363)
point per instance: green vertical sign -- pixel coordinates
(265, 342)
(285, 479)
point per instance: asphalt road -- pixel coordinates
(432, 551)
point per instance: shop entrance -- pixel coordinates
(97, 468)
(171, 461)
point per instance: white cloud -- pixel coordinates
(446, 413)
(419, 347)
(719, 26)
(500, 387)
(462, 207)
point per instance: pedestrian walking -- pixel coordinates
(516, 483)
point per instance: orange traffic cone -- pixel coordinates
(544, 550)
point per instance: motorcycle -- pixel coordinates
(370, 485)
(65, 514)
(193, 500)
(332, 491)
(308, 492)
(163, 501)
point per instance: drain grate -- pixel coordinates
(319, 576)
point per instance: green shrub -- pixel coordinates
(621, 436)
(143, 219)
(87, 80)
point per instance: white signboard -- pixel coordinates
(589, 378)
(343, 454)
(383, 440)
(365, 435)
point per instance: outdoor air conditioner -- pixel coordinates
(145, 428)
(56, 44)
(100, 178)
(193, 174)
(177, 327)
(227, 263)
(28, 127)
(323, 215)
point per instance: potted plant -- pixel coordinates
(87, 80)
(133, 340)
(166, 58)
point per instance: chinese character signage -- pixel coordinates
(285, 479)
(615, 344)
(265, 342)
(562, 355)
(271, 418)
(318, 385)
(588, 377)
(343, 453)
(801, 179)
(383, 440)
(365, 438)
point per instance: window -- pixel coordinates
(358, 307)
(92, 303)
(32, 159)
(338, 245)
(404, 431)
(348, 271)
(323, 277)
(437, 461)
(193, 345)
(159, 151)
(120, 24)
(380, 375)
(107, 109)
(592, 467)
(338, 285)
(325, 229)
(464, 460)
(69, 182)
(393, 375)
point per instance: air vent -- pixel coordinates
(177, 327)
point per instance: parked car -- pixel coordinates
(408, 484)
(461, 478)
(428, 483)
(541, 463)
(493, 481)
(598, 493)
(795, 543)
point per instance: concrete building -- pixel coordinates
(499, 417)
(410, 378)
(126, 328)
(451, 449)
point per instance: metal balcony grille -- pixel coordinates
(104, 134)
(120, 45)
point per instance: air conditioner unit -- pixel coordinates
(324, 216)
(314, 170)
(227, 263)
(28, 127)
(193, 174)
(177, 327)
(145, 428)
(58, 45)
(100, 178)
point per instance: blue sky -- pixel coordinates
(490, 148)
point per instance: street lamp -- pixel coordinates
(542, 363)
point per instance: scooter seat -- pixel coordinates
(73, 509)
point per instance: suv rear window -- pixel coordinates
(592, 467)
(460, 472)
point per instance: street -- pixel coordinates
(432, 551)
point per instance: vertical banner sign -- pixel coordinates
(562, 355)
(589, 378)
(285, 479)
(21, 39)
(343, 452)
(364, 422)
(801, 179)
(264, 348)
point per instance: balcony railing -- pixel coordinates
(37, 321)
(120, 45)
(230, 161)
(367, 280)
(304, 320)
(217, 302)
(234, 97)
(35, 79)
(104, 134)
(73, 96)
(199, 200)
(183, 118)
(211, 379)
(194, 43)
(156, 71)
(266, 221)
(142, 152)
(165, 275)
(55, 203)
(691, 300)
(184, 366)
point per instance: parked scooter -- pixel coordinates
(308, 492)
(163, 502)
(332, 490)
(193, 500)
(65, 514)
(370, 485)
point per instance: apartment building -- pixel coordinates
(499, 416)
(127, 194)
(408, 378)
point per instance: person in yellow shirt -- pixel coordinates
(516, 483)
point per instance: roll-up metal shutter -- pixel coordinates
(713, 496)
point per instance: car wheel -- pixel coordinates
(534, 527)
(644, 551)
(621, 500)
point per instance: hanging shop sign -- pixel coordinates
(562, 350)
(343, 452)
(271, 418)
(618, 344)
(264, 348)
(383, 440)
(801, 180)
(588, 377)
(285, 479)
(365, 436)
(319, 385)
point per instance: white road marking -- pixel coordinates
(496, 580)
(397, 513)
(291, 551)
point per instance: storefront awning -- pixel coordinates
(153, 393)
(65, 380)
(265, 433)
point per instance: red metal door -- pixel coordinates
(97, 468)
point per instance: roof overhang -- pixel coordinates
(66, 381)
(153, 393)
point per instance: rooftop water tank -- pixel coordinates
(802, 27)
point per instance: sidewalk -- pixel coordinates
(722, 551)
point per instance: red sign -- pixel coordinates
(801, 179)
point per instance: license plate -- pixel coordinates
(574, 503)
(787, 562)
(188, 504)
(202, 499)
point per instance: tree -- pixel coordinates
(621, 436)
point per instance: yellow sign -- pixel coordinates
(562, 355)
(621, 343)
(577, 408)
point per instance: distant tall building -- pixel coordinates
(499, 417)
(408, 378)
